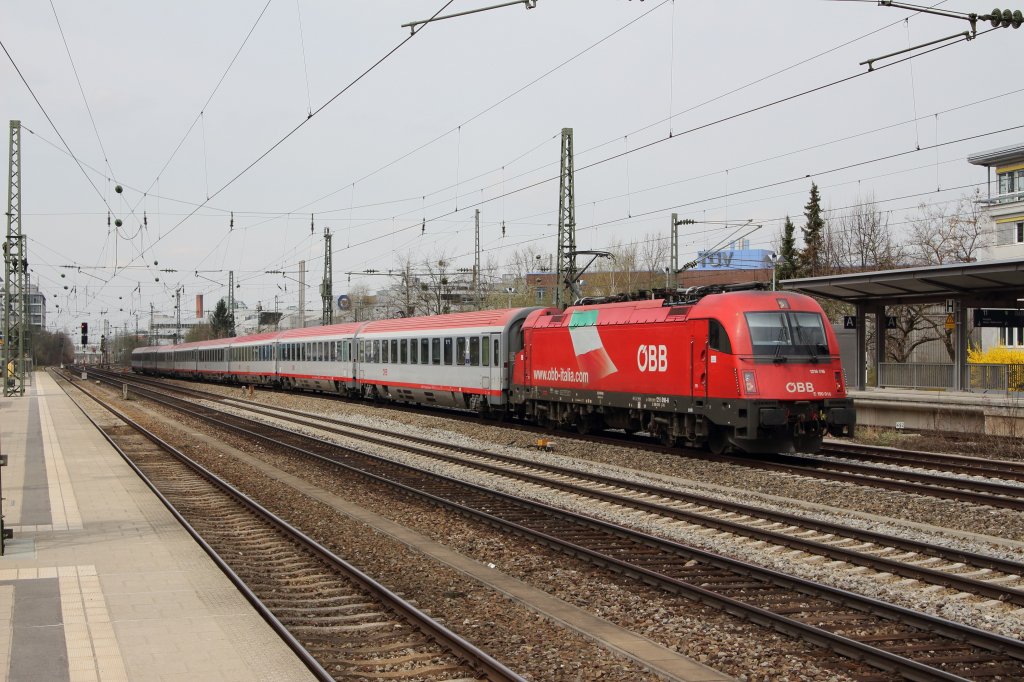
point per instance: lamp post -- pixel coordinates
(773, 257)
(510, 291)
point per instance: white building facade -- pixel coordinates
(1003, 216)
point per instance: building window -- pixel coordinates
(1011, 185)
(1020, 233)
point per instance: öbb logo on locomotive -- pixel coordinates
(651, 358)
(800, 387)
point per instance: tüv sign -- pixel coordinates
(734, 259)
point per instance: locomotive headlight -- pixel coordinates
(749, 381)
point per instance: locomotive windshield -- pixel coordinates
(783, 334)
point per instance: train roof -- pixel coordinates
(345, 328)
(647, 311)
(477, 318)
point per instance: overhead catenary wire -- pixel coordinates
(81, 89)
(502, 194)
(291, 132)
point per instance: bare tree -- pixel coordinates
(946, 233)
(402, 294)
(438, 287)
(861, 239)
(360, 302)
(653, 258)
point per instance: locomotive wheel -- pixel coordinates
(717, 442)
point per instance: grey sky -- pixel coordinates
(147, 69)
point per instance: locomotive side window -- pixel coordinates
(718, 339)
(474, 351)
(435, 351)
(447, 350)
(460, 352)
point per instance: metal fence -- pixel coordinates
(915, 375)
(983, 378)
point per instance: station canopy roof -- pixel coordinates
(986, 284)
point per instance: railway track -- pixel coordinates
(961, 464)
(968, 572)
(339, 621)
(994, 493)
(915, 645)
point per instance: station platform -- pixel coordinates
(100, 582)
(993, 414)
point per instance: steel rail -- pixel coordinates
(929, 575)
(976, 466)
(446, 638)
(924, 624)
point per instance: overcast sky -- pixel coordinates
(463, 112)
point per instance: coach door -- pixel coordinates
(699, 361)
(491, 358)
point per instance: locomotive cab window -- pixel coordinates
(718, 339)
(784, 334)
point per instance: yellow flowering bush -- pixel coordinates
(999, 355)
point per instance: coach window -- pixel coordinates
(394, 350)
(474, 351)
(435, 351)
(718, 339)
(461, 357)
(485, 356)
(497, 362)
(385, 355)
(448, 347)
(404, 352)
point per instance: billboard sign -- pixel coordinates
(734, 259)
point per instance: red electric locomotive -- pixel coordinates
(725, 367)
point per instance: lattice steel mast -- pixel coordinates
(231, 302)
(327, 286)
(565, 272)
(15, 277)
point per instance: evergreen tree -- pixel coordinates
(788, 265)
(220, 320)
(814, 237)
